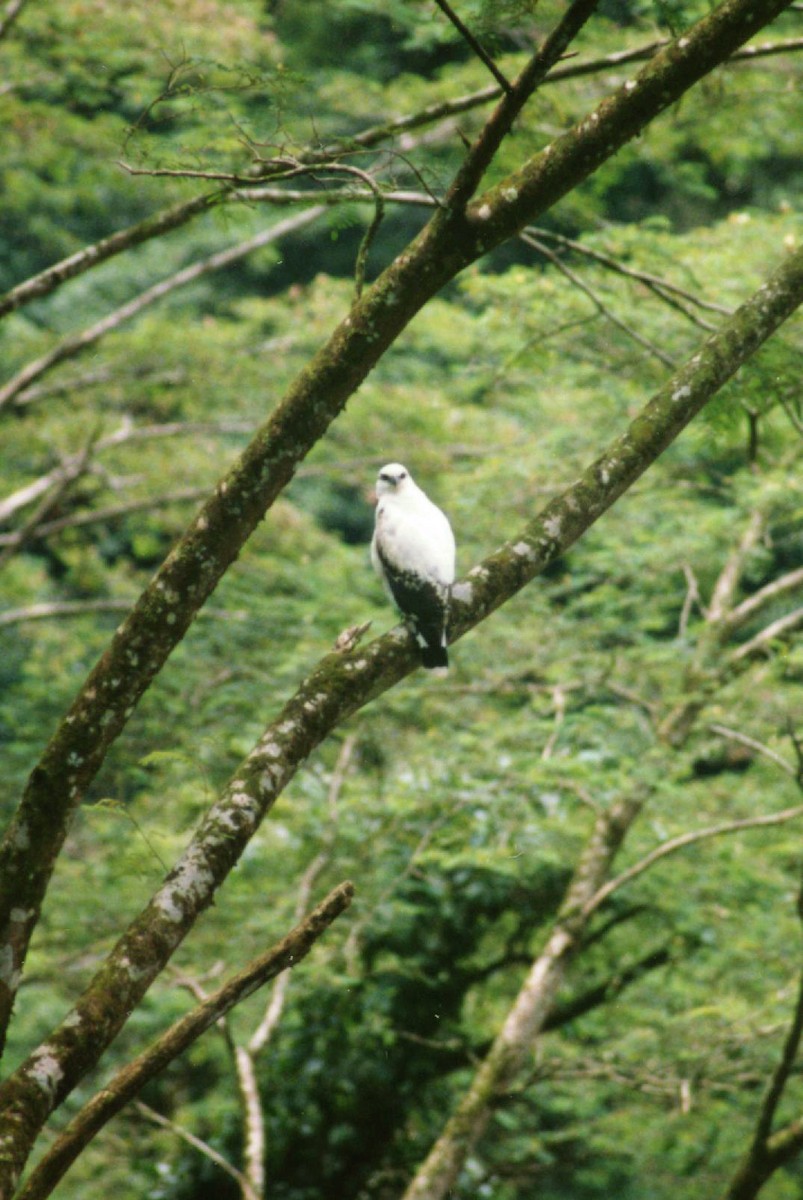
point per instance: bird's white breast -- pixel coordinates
(416, 536)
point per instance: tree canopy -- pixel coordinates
(303, 921)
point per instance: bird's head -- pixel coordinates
(392, 479)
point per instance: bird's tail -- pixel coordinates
(433, 657)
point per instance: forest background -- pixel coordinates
(571, 966)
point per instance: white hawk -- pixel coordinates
(413, 553)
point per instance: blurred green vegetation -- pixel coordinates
(466, 801)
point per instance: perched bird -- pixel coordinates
(413, 553)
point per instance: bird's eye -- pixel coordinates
(403, 475)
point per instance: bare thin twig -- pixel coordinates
(673, 845)
(78, 342)
(600, 306)
(150, 1114)
(691, 598)
(475, 44)
(776, 629)
(730, 575)
(656, 282)
(778, 587)
(744, 739)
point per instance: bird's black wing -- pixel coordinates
(425, 605)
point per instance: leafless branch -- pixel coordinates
(744, 739)
(768, 1151)
(78, 342)
(691, 598)
(599, 305)
(776, 629)
(525, 1020)
(111, 513)
(673, 845)
(71, 470)
(730, 575)
(559, 706)
(662, 287)
(739, 615)
(80, 608)
(475, 45)
(150, 1114)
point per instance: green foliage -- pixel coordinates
(466, 802)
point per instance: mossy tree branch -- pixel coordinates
(338, 687)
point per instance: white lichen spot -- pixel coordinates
(478, 573)
(463, 593)
(605, 476)
(72, 1020)
(510, 193)
(18, 916)
(522, 549)
(552, 525)
(286, 727)
(202, 523)
(484, 212)
(243, 808)
(360, 664)
(630, 85)
(272, 749)
(22, 836)
(683, 43)
(134, 972)
(46, 1071)
(682, 393)
(170, 618)
(232, 821)
(167, 906)
(269, 779)
(9, 975)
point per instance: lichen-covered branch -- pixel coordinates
(129, 1081)
(340, 685)
(449, 242)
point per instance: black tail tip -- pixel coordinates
(433, 657)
